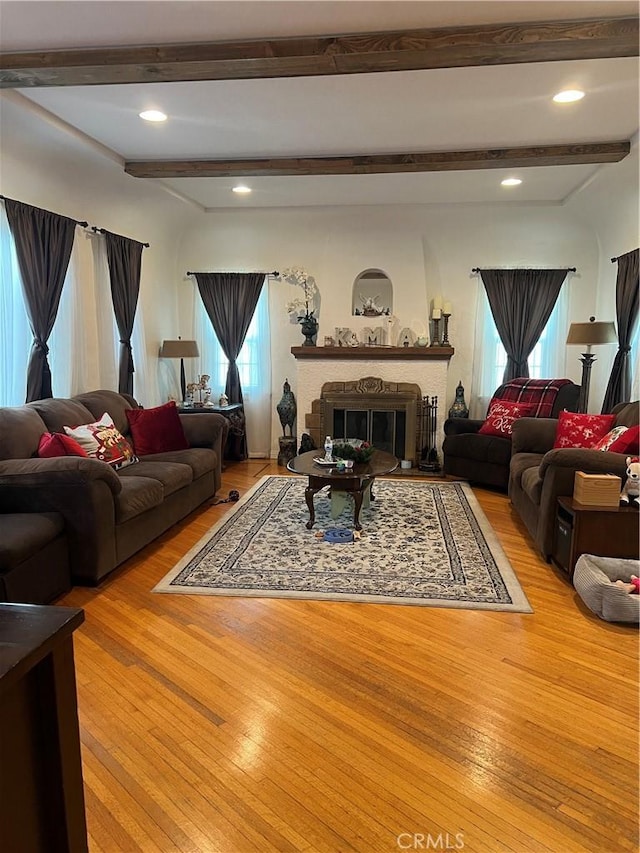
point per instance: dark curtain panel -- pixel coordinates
(43, 246)
(125, 263)
(627, 285)
(521, 302)
(230, 299)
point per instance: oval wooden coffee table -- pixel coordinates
(355, 481)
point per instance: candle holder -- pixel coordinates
(445, 331)
(435, 340)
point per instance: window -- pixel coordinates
(546, 361)
(15, 332)
(254, 366)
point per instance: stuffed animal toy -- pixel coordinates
(632, 586)
(630, 493)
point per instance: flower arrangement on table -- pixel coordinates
(359, 451)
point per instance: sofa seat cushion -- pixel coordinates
(201, 460)
(479, 448)
(138, 495)
(523, 462)
(24, 534)
(171, 475)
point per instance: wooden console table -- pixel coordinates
(601, 530)
(41, 792)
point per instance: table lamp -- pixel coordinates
(180, 349)
(589, 334)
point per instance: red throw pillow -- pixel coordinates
(577, 430)
(627, 443)
(54, 444)
(156, 430)
(501, 416)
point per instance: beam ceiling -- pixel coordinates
(367, 53)
(437, 161)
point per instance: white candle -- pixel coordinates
(447, 308)
(437, 313)
(437, 302)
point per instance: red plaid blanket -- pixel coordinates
(542, 392)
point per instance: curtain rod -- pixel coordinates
(569, 269)
(104, 231)
(77, 221)
(274, 273)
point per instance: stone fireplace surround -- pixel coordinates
(371, 375)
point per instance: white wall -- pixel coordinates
(425, 251)
(609, 204)
(42, 165)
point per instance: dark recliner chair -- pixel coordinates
(484, 459)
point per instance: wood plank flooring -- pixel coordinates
(231, 725)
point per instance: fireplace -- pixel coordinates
(377, 381)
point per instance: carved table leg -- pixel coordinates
(357, 505)
(309, 492)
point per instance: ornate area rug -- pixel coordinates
(423, 543)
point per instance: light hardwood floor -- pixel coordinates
(232, 725)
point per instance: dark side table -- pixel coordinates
(602, 530)
(236, 446)
(41, 790)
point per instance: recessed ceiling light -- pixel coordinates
(241, 189)
(568, 96)
(511, 182)
(153, 115)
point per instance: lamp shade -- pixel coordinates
(179, 349)
(590, 334)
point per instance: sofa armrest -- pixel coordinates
(533, 435)
(588, 461)
(206, 429)
(62, 470)
(461, 426)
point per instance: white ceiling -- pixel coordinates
(408, 111)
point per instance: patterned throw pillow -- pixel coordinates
(606, 442)
(577, 430)
(501, 416)
(54, 444)
(101, 440)
(628, 443)
(156, 430)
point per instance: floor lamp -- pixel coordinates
(180, 349)
(589, 334)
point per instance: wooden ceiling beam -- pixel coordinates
(449, 47)
(369, 164)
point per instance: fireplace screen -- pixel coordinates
(386, 429)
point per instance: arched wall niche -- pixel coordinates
(372, 294)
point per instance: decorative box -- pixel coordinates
(597, 489)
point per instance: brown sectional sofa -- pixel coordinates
(539, 475)
(108, 515)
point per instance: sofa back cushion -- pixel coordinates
(548, 396)
(58, 413)
(627, 414)
(20, 431)
(99, 402)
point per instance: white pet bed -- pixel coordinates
(594, 579)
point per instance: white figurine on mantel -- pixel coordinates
(353, 342)
(224, 400)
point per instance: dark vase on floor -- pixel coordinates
(309, 326)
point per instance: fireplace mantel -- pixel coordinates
(439, 353)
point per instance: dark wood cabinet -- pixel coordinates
(41, 790)
(601, 530)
